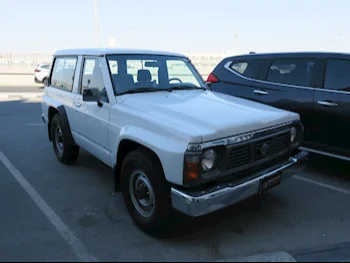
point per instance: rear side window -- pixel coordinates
(337, 75)
(250, 68)
(296, 72)
(63, 72)
(45, 66)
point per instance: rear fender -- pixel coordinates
(66, 127)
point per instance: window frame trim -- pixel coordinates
(227, 67)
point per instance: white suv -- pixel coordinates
(41, 73)
(172, 142)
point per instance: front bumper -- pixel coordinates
(194, 204)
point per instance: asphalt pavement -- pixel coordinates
(53, 212)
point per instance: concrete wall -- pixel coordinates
(18, 80)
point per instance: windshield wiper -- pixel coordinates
(186, 87)
(141, 90)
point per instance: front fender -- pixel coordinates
(169, 150)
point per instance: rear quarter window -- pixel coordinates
(45, 66)
(250, 68)
(63, 73)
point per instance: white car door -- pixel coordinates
(92, 120)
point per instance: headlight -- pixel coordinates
(208, 159)
(293, 134)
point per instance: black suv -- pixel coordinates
(315, 85)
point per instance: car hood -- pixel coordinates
(207, 114)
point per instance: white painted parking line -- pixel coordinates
(328, 186)
(60, 226)
(281, 256)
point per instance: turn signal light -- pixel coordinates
(192, 168)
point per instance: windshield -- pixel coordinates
(134, 72)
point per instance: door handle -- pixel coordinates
(260, 92)
(77, 104)
(327, 103)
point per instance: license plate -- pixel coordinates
(271, 181)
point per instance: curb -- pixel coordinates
(14, 96)
(280, 256)
(338, 252)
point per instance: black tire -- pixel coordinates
(45, 82)
(68, 154)
(145, 161)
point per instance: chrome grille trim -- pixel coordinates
(237, 139)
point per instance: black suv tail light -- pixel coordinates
(212, 78)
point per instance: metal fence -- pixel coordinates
(25, 60)
(25, 63)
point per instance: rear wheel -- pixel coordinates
(45, 82)
(65, 152)
(146, 192)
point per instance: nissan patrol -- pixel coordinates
(172, 142)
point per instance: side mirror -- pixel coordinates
(92, 95)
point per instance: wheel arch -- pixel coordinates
(61, 111)
(126, 146)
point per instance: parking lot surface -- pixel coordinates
(49, 211)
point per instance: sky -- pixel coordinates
(188, 26)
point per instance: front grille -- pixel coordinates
(282, 142)
(258, 155)
(240, 156)
(265, 148)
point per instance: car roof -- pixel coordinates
(113, 51)
(319, 54)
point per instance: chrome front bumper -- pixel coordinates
(205, 203)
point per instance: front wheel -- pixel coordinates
(146, 192)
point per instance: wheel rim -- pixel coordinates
(141, 193)
(59, 140)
